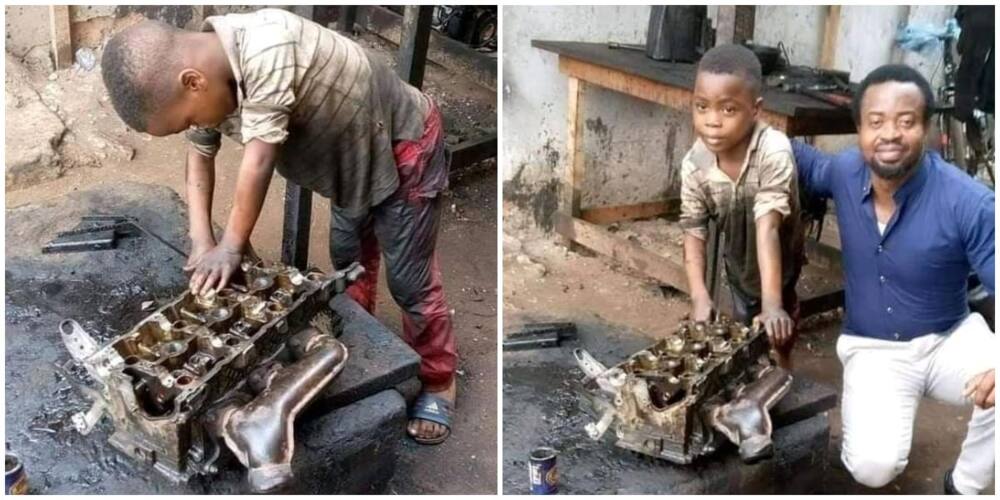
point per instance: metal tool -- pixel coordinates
(101, 232)
(539, 335)
(124, 221)
(819, 92)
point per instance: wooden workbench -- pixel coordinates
(668, 84)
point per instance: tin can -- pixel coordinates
(542, 472)
(16, 481)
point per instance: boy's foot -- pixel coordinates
(430, 416)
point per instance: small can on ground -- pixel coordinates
(542, 471)
(16, 481)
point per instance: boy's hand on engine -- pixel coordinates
(214, 268)
(198, 249)
(701, 308)
(777, 323)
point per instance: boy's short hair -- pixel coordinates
(135, 67)
(734, 60)
(894, 73)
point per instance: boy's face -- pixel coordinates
(891, 130)
(724, 110)
(199, 102)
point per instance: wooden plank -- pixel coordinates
(682, 76)
(62, 44)
(624, 251)
(619, 213)
(573, 172)
(680, 98)
(675, 97)
(831, 27)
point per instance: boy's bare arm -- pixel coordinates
(773, 316)
(216, 267)
(694, 266)
(200, 186)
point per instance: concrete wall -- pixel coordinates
(630, 142)
(27, 26)
(633, 148)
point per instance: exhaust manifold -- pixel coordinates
(261, 433)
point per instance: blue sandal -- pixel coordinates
(432, 409)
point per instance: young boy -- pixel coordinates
(741, 172)
(311, 103)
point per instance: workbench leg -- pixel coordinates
(569, 200)
(62, 44)
(413, 43)
(348, 16)
(295, 234)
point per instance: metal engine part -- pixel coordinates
(234, 367)
(684, 396)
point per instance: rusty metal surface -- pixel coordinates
(205, 370)
(684, 396)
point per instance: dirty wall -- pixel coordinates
(27, 29)
(633, 148)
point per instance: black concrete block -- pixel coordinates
(352, 450)
(378, 360)
(806, 398)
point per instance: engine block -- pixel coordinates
(190, 375)
(685, 395)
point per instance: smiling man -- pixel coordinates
(912, 229)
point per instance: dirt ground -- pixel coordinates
(545, 282)
(466, 244)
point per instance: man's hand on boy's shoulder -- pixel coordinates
(213, 269)
(777, 323)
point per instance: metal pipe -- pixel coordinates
(260, 433)
(745, 419)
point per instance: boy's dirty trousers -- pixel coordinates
(404, 228)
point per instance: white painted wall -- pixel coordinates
(624, 137)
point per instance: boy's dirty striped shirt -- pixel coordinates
(334, 111)
(767, 182)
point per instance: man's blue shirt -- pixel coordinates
(911, 280)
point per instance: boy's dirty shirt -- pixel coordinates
(767, 181)
(335, 112)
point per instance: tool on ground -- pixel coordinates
(539, 335)
(542, 472)
(101, 232)
(15, 479)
